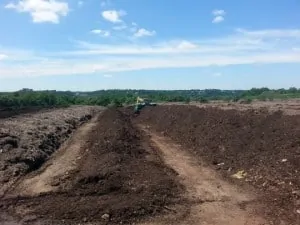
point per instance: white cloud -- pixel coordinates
(41, 10)
(218, 19)
(113, 15)
(171, 47)
(86, 58)
(186, 45)
(218, 15)
(113, 65)
(3, 56)
(218, 12)
(143, 32)
(80, 3)
(103, 33)
(107, 75)
(121, 27)
(271, 33)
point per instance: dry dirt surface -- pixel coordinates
(260, 148)
(169, 165)
(115, 177)
(288, 107)
(211, 200)
(27, 140)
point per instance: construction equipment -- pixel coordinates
(141, 103)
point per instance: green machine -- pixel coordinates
(141, 103)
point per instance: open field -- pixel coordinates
(172, 164)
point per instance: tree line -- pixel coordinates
(52, 98)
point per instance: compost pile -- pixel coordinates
(119, 179)
(264, 147)
(27, 141)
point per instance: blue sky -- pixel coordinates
(149, 44)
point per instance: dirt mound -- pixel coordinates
(28, 140)
(10, 112)
(266, 146)
(120, 179)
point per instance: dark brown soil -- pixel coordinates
(266, 146)
(120, 175)
(28, 140)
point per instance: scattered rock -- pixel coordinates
(105, 216)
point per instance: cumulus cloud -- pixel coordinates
(41, 10)
(113, 15)
(218, 12)
(218, 19)
(218, 15)
(142, 32)
(103, 33)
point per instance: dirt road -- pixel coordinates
(107, 173)
(213, 200)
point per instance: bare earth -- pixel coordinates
(28, 140)
(214, 201)
(60, 165)
(289, 107)
(117, 169)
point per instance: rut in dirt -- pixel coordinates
(264, 145)
(210, 199)
(120, 178)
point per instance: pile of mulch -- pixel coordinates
(28, 140)
(121, 179)
(265, 145)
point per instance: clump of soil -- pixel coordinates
(265, 145)
(120, 179)
(27, 141)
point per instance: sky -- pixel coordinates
(149, 44)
